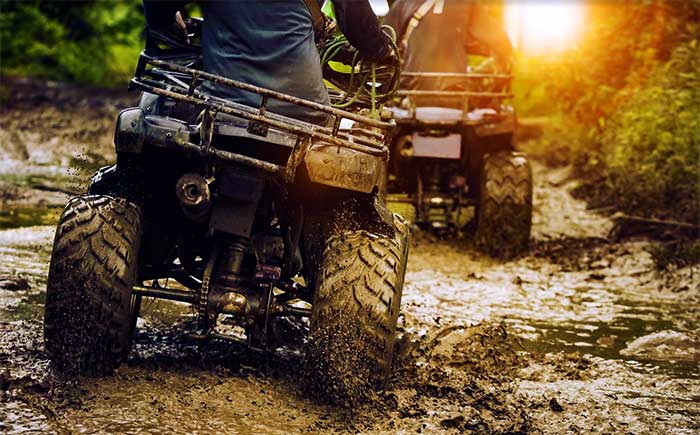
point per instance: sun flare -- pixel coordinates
(544, 26)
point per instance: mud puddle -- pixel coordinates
(599, 311)
(580, 336)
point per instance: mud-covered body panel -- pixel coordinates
(344, 168)
(326, 164)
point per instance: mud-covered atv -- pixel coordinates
(265, 224)
(454, 151)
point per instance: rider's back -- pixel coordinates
(268, 44)
(439, 42)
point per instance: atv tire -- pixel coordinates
(504, 206)
(355, 310)
(90, 312)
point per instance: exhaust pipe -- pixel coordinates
(195, 197)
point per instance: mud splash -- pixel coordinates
(579, 336)
(542, 344)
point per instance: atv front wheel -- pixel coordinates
(504, 207)
(355, 310)
(90, 312)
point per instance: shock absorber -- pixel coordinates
(231, 261)
(228, 294)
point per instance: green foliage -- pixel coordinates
(651, 146)
(629, 94)
(625, 42)
(89, 41)
(532, 95)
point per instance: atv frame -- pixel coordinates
(238, 189)
(355, 156)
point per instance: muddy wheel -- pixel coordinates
(504, 207)
(90, 312)
(355, 310)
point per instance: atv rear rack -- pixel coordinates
(504, 81)
(507, 78)
(167, 79)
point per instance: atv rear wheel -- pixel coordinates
(90, 312)
(504, 207)
(355, 310)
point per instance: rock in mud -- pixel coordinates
(555, 406)
(665, 345)
(13, 283)
(5, 380)
(479, 347)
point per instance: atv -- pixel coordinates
(454, 153)
(266, 225)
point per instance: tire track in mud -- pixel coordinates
(528, 346)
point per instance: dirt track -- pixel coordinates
(579, 336)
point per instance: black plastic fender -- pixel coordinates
(103, 181)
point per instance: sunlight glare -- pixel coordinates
(544, 26)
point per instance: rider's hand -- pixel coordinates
(386, 56)
(390, 59)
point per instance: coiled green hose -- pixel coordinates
(356, 82)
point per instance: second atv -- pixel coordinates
(454, 152)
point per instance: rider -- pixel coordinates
(438, 36)
(271, 45)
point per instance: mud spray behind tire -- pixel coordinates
(355, 311)
(88, 313)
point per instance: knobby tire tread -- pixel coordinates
(88, 320)
(356, 308)
(504, 212)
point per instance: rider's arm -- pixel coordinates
(485, 29)
(359, 24)
(399, 15)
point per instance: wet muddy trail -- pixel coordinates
(580, 336)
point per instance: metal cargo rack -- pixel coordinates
(180, 83)
(463, 97)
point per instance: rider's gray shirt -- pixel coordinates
(268, 44)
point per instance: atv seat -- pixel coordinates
(441, 114)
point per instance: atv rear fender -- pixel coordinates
(326, 164)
